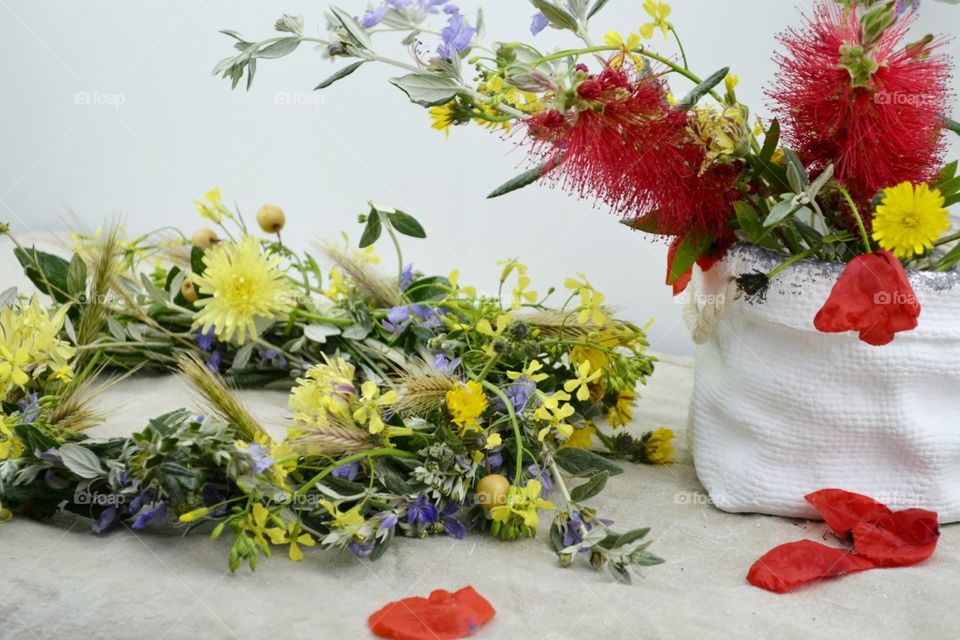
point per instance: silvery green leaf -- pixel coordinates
(76, 275)
(290, 24)
(233, 34)
(342, 73)
(68, 327)
(320, 332)
(427, 90)
(557, 16)
(80, 461)
(278, 49)
(480, 24)
(160, 297)
(821, 181)
(780, 211)
(702, 89)
(796, 172)
(619, 572)
(356, 33)
(356, 332)
(136, 331)
(116, 329)
(596, 8)
(8, 297)
(242, 357)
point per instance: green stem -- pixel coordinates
(306, 315)
(517, 434)
(363, 455)
(683, 54)
(947, 239)
(558, 478)
(396, 245)
(792, 260)
(856, 214)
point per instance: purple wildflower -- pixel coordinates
(519, 394)
(29, 409)
(388, 520)
(397, 320)
(430, 318)
(539, 23)
(106, 521)
(205, 340)
(273, 358)
(406, 277)
(451, 524)
(260, 460)
(373, 17)
(158, 512)
(456, 36)
(55, 481)
(444, 366)
(215, 360)
(495, 459)
(362, 549)
(421, 510)
(347, 471)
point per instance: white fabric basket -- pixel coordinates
(780, 410)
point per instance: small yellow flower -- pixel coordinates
(910, 219)
(196, 514)
(349, 520)
(243, 283)
(211, 207)
(10, 444)
(338, 286)
(731, 81)
(530, 372)
(326, 390)
(554, 414)
(582, 381)
(659, 11)
(455, 287)
(367, 254)
(294, 536)
(658, 446)
(524, 502)
(591, 301)
(581, 438)
(444, 116)
(493, 441)
(370, 402)
(465, 403)
(614, 39)
(63, 374)
(485, 328)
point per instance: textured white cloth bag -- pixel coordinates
(780, 410)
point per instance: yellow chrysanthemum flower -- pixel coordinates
(244, 283)
(465, 403)
(910, 219)
(659, 11)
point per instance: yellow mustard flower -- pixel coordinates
(910, 219)
(581, 383)
(368, 254)
(455, 288)
(659, 11)
(724, 135)
(369, 405)
(211, 207)
(350, 520)
(591, 301)
(294, 536)
(244, 283)
(614, 39)
(337, 287)
(554, 414)
(530, 372)
(465, 403)
(658, 446)
(30, 345)
(524, 502)
(581, 438)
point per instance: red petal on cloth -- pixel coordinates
(842, 510)
(792, 565)
(898, 539)
(872, 296)
(442, 616)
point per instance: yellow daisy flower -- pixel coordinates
(244, 283)
(659, 11)
(910, 219)
(466, 402)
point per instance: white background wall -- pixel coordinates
(180, 131)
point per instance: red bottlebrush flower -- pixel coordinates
(623, 144)
(872, 296)
(442, 616)
(873, 109)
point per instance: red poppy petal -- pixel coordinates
(841, 510)
(442, 616)
(792, 565)
(680, 284)
(898, 539)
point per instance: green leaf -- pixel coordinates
(947, 173)
(796, 172)
(631, 536)
(558, 17)
(81, 461)
(278, 49)
(339, 75)
(749, 220)
(355, 32)
(196, 260)
(381, 545)
(8, 297)
(619, 572)
(690, 249)
(371, 233)
(591, 487)
(597, 6)
(702, 89)
(950, 187)
(770, 141)
(406, 224)
(528, 177)
(320, 332)
(429, 288)
(780, 211)
(45, 270)
(949, 260)
(76, 275)
(427, 89)
(952, 125)
(584, 463)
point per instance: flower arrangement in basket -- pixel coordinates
(850, 171)
(419, 406)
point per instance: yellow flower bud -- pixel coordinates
(204, 238)
(271, 219)
(196, 514)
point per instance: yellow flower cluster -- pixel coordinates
(591, 301)
(242, 283)
(10, 444)
(30, 346)
(522, 502)
(211, 207)
(521, 291)
(724, 135)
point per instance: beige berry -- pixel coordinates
(271, 219)
(188, 291)
(492, 490)
(204, 238)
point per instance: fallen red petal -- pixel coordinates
(842, 510)
(792, 565)
(442, 616)
(898, 539)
